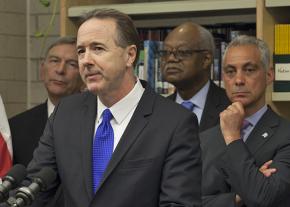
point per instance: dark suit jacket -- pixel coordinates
(156, 163)
(216, 102)
(26, 129)
(234, 169)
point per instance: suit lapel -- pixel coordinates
(41, 118)
(87, 119)
(263, 131)
(210, 114)
(136, 125)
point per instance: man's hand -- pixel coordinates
(266, 170)
(231, 120)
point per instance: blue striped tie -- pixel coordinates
(102, 148)
(244, 128)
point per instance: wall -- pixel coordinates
(39, 20)
(16, 93)
(13, 55)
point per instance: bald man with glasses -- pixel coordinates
(186, 61)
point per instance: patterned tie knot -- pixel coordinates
(107, 115)
(188, 104)
(246, 124)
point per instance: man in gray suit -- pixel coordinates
(118, 144)
(186, 62)
(249, 135)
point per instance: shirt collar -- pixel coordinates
(50, 107)
(198, 99)
(123, 107)
(254, 118)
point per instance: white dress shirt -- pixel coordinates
(50, 107)
(122, 111)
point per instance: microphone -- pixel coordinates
(13, 178)
(26, 195)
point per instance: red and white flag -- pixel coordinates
(5, 142)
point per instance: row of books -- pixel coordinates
(149, 67)
(281, 58)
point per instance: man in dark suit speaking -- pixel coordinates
(119, 144)
(249, 135)
(186, 61)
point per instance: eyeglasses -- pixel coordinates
(179, 54)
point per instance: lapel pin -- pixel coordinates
(265, 135)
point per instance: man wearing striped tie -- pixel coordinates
(246, 159)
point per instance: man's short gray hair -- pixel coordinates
(67, 40)
(261, 45)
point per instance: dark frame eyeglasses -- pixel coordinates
(179, 54)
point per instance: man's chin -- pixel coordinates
(59, 91)
(243, 101)
(93, 88)
(172, 79)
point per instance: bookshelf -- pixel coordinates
(269, 13)
(163, 13)
(275, 3)
(167, 7)
(263, 13)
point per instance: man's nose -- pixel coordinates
(87, 60)
(61, 67)
(240, 78)
(172, 56)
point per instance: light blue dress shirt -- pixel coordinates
(253, 119)
(198, 100)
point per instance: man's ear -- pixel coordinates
(42, 71)
(207, 59)
(270, 75)
(131, 55)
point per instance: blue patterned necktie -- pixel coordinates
(188, 104)
(102, 148)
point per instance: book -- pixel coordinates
(282, 39)
(282, 73)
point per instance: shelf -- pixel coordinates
(172, 13)
(280, 96)
(169, 7)
(200, 18)
(277, 3)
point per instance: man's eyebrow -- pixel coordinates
(178, 46)
(91, 44)
(52, 56)
(228, 66)
(250, 64)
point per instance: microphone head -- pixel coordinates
(16, 174)
(44, 177)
